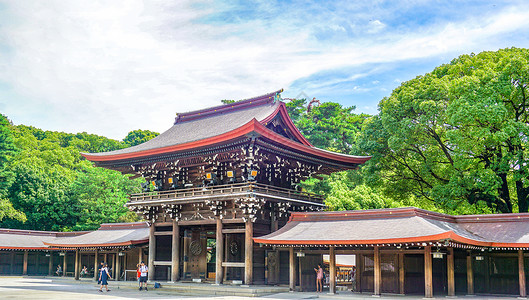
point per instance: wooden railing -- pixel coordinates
(227, 189)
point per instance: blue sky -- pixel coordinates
(108, 67)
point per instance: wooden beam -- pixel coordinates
(219, 251)
(402, 274)
(332, 271)
(158, 233)
(248, 253)
(76, 265)
(25, 263)
(377, 271)
(521, 274)
(229, 264)
(450, 272)
(234, 230)
(162, 263)
(162, 224)
(354, 251)
(291, 269)
(470, 275)
(152, 252)
(428, 275)
(175, 252)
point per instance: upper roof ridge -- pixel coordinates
(254, 101)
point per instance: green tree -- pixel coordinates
(7, 151)
(329, 125)
(139, 136)
(100, 195)
(457, 136)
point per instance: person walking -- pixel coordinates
(144, 270)
(138, 275)
(104, 275)
(319, 278)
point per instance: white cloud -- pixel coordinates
(109, 67)
(375, 26)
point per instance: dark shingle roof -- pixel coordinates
(206, 123)
(108, 235)
(401, 225)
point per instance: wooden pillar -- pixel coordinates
(291, 269)
(76, 266)
(175, 252)
(12, 267)
(332, 271)
(117, 267)
(152, 252)
(25, 265)
(274, 223)
(402, 274)
(140, 255)
(248, 253)
(226, 242)
(521, 274)
(114, 266)
(64, 264)
(50, 264)
(37, 261)
(359, 269)
(96, 266)
(187, 241)
(299, 274)
(450, 272)
(125, 267)
(470, 275)
(377, 272)
(428, 275)
(219, 251)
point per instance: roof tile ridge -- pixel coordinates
(28, 232)
(240, 104)
(384, 213)
(485, 218)
(114, 226)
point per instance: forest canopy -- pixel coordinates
(454, 140)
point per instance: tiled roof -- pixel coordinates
(203, 124)
(224, 124)
(109, 235)
(401, 225)
(24, 239)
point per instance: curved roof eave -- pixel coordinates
(449, 235)
(252, 126)
(126, 243)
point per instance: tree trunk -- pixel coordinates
(523, 199)
(504, 192)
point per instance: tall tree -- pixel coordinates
(7, 151)
(100, 196)
(458, 135)
(139, 136)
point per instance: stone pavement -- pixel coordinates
(36, 288)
